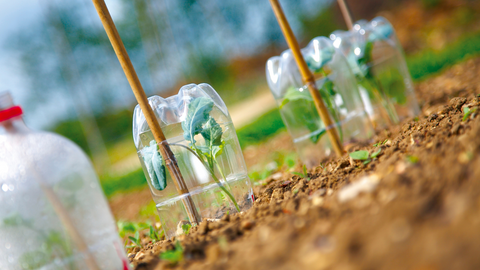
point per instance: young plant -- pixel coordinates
(153, 234)
(173, 256)
(186, 228)
(137, 242)
(365, 155)
(301, 102)
(303, 174)
(125, 227)
(467, 112)
(381, 143)
(198, 121)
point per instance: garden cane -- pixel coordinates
(308, 78)
(164, 148)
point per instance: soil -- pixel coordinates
(415, 206)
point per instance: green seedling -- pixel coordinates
(381, 143)
(359, 155)
(365, 156)
(467, 112)
(135, 240)
(125, 227)
(186, 228)
(376, 153)
(198, 121)
(154, 235)
(173, 256)
(303, 174)
(302, 105)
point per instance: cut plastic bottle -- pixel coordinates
(339, 91)
(377, 60)
(53, 213)
(200, 133)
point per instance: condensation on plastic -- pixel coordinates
(346, 106)
(209, 200)
(387, 66)
(32, 235)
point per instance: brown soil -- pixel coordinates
(418, 209)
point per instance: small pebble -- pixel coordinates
(131, 256)
(140, 256)
(247, 224)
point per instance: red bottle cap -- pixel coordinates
(10, 113)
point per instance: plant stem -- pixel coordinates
(212, 173)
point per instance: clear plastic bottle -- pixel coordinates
(53, 213)
(339, 91)
(200, 133)
(378, 62)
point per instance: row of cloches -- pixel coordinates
(363, 80)
(53, 214)
(362, 77)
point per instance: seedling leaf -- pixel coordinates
(197, 115)
(359, 155)
(155, 166)
(376, 153)
(212, 132)
(467, 112)
(296, 94)
(186, 228)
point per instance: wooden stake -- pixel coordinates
(347, 16)
(308, 78)
(141, 97)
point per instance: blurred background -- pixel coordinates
(56, 60)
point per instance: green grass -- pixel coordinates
(430, 62)
(261, 129)
(128, 182)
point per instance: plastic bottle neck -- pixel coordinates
(13, 125)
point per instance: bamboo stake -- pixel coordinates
(152, 122)
(347, 15)
(308, 78)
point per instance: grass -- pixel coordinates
(261, 129)
(429, 62)
(128, 182)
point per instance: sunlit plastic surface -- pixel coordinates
(377, 60)
(32, 233)
(338, 89)
(212, 170)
